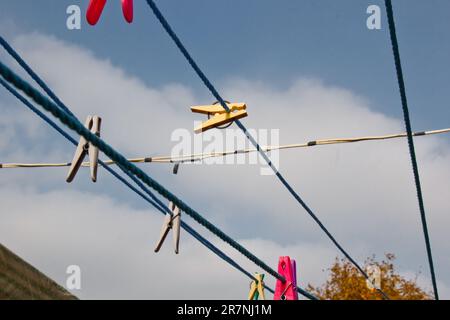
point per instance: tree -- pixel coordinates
(347, 283)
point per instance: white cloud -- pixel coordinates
(363, 192)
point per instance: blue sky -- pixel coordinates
(311, 69)
(273, 41)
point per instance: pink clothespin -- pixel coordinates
(96, 7)
(288, 290)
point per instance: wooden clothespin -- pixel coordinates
(96, 7)
(172, 221)
(84, 147)
(218, 116)
(257, 288)
(287, 290)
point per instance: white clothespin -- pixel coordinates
(172, 221)
(84, 147)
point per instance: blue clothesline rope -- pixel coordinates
(412, 152)
(261, 151)
(153, 200)
(156, 203)
(74, 124)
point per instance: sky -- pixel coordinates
(311, 69)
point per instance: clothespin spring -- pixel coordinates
(283, 294)
(225, 126)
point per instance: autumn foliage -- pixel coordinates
(347, 283)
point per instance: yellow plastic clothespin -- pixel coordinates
(257, 288)
(218, 116)
(84, 147)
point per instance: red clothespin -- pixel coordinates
(288, 290)
(96, 7)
